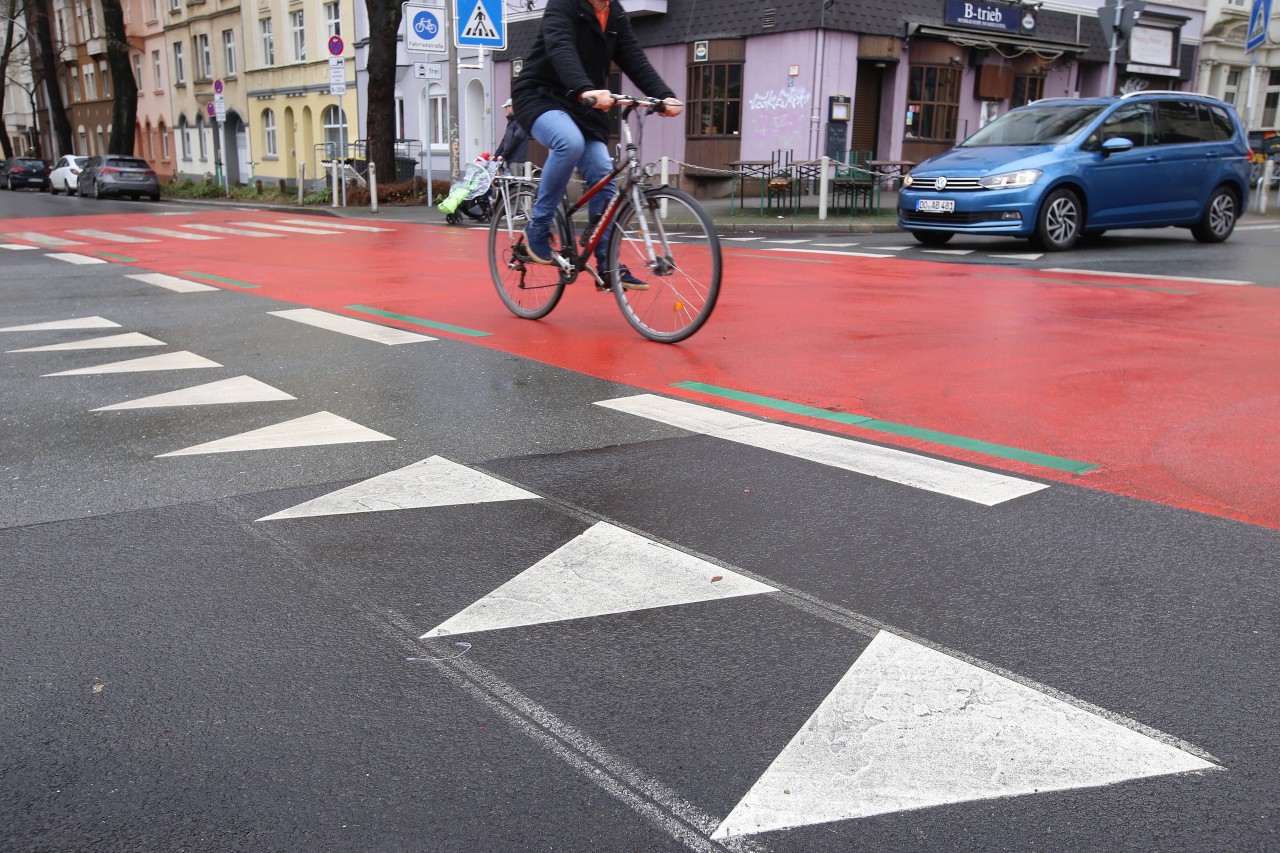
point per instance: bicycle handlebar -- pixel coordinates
(653, 105)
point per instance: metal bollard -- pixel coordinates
(333, 169)
(824, 187)
(373, 187)
(302, 181)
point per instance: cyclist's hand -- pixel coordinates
(603, 98)
(672, 107)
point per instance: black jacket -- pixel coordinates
(514, 147)
(571, 56)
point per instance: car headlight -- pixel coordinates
(1007, 180)
(907, 180)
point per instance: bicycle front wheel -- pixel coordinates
(679, 287)
(528, 290)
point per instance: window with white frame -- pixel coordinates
(184, 138)
(179, 65)
(104, 74)
(297, 25)
(269, 133)
(229, 50)
(75, 85)
(200, 139)
(438, 113)
(1271, 99)
(84, 141)
(333, 19)
(156, 69)
(164, 141)
(175, 5)
(335, 131)
(137, 70)
(102, 145)
(81, 31)
(203, 57)
(62, 27)
(93, 24)
(268, 42)
(90, 84)
(1232, 89)
(155, 10)
(399, 116)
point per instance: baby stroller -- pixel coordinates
(470, 196)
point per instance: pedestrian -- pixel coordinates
(569, 62)
(514, 148)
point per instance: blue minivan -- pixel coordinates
(1060, 169)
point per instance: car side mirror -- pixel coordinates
(1115, 145)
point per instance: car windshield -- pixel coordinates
(1044, 125)
(128, 163)
(29, 164)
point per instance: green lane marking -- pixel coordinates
(121, 258)
(1087, 283)
(1031, 457)
(418, 321)
(217, 278)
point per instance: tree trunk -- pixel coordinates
(380, 117)
(38, 25)
(4, 75)
(124, 107)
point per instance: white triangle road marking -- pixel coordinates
(109, 237)
(220, 229)
(321, 428)
(238, 389)
(433, 482)
(292, 229)
(325, 223)
(16, 247)
(72, 258)
(947, 251)
(77, 323)
(47, 240)
(908, 727)
(1027, 256)
(604, 570)
(351, 326)
(170, 282)
(128, 339)
(935, 475)
(168, 232)
(169, 361)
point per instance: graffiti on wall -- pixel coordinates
(780, 111)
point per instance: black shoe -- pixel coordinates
(629, 281)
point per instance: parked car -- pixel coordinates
(117, 175)
(1060, 169)
(20, 172)
(66, 174)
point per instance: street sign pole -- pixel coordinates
(1115, 46)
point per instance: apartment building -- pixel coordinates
(1249, 81)
(153, 140)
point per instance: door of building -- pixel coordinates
(865, 134)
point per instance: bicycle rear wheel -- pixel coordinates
(684, 282)
(528, 290)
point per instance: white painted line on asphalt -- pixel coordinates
(291, 229)
(169, 282)
(128, 339)
(321, 222)
(891, 248)
(109, 237)
(77, 323)
(829, 252)
(174, 213)
(71, 258)
(15, 247)
(321, 428)
(741, 239)
(908, 727)
(835, 245)
(351, 326)
(221, 229)
(948, 251)
(169, 361)
(1029, 256)
(909, 469)
(1143, 276)
(238, 389)
(771, 240)
(433, 482)
(1257, 227)
(45, 240)
(604, 570)
(166, 232)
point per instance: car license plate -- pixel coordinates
(935, 205)
(132, 176)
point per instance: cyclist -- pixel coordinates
(569, 62)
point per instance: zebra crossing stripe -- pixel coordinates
(345, 226)
(292, 229)
(45, 239)
(165, 232)
(169, 282)
(109, 237)
(221, 229)
(79, 260)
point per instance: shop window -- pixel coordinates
(1027, 89)
(714, 103)
(934, 92)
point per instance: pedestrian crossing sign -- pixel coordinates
(481, 23)
(1258, 18)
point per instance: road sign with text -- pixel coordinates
(426, 28)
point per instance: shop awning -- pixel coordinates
(1007, 45)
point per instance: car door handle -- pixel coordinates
(1153, 159)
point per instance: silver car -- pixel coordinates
(116, 175)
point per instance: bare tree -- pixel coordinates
(6, 51)
(380, 117)
(124, 108)
(37, 14)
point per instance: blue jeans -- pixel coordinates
(569, 149)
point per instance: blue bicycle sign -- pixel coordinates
(426, 25)
(426, 29)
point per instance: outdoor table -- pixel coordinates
(892, 169)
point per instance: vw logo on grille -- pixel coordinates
(941, 183)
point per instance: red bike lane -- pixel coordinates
(1159, 390)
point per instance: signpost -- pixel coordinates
(1259, 17)
(426, 28)
(1117, 18)
(218, 112)
(338, 87)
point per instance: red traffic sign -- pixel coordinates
(217, 86)
(335, 45)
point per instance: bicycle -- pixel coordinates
(675, 299)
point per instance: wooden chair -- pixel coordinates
(779, 182)
(855, 186)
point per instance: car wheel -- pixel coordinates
(1058, 225)
(1219, 218)
(52, 189)
(933, 238)
(155, 196)
(96, 192)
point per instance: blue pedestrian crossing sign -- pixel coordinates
(481, 23)
(1259, 16)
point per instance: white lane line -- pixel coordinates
(835, 245)
(908, 727)
(891, 248)
(433, 482)
(1257, 227)
(175, 213)
(16, 247)
(829, 252)
(169, 282)
(165, 232)
(1144, 276)
(70, 258)
(321, 428)
(238, 389)
(77, 323)
(605, 570)
(237, 232)
(109, 237)
(46, 240)
(886, 463)
(741, 239)
(786, 241)
(122, 341)
(345, 226)
(292, 229)
(169, 361)
(948, 251)
(351, 326)
(1030, 256)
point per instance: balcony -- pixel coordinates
(96, 46)
(68, 54)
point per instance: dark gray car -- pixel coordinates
(20, 172)
(115, 175)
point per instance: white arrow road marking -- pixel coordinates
(351, 326)
(220, 229)
(169, 361)
(169, 282)
(44, 239)
(292, 229)
(77, 323)
(345, 226)
(899, 466)
(128, 339)
(605, 570)
(433, 482)
(238, 389)
(166, 232)
(79, 260)
(307, 431)
(109, 237)
(908, 727)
